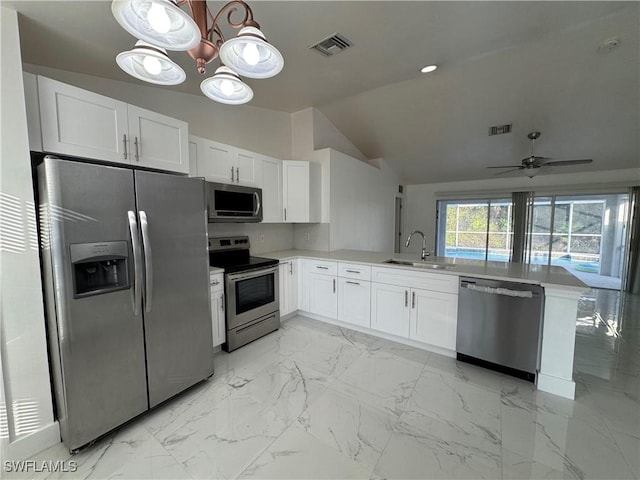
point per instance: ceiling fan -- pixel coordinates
(533, 162)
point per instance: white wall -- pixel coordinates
(326, 135)
(362, 205)
(252, 128)
(25, 370)
(420, 203)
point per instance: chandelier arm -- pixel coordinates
(230, 8)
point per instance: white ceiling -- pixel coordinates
(533, 64)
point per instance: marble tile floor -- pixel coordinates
(317, 401)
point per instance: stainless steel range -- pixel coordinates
(251, 290)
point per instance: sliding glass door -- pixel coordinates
(583, 233)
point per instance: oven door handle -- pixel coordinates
(252, 274)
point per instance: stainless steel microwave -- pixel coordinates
(233, 203)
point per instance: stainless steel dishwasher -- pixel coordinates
(500, 325)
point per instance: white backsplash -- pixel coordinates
(311, 236)
(264, 237)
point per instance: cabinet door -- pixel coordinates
(323, 298)
(81, 123)
(195, 151)
(283, 284)
(295, 193)
(354, 302)
(247, 167)
(217, 317)
(158, 141)
(434, 317)
(271, 190)
(390, 309)
(214, 164)
(293, 285)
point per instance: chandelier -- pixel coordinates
(162, 25)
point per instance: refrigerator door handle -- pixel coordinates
(148, 262)
(137, 268)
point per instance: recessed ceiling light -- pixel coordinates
(428, 68)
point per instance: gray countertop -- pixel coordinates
(547, 276)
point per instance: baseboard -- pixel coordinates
(558, 386)
(35, 442)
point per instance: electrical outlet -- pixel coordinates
(262, 238)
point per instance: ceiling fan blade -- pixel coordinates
(508, 166)
(507, 171)
(568, 162)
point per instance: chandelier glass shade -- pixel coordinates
(158, 22)
(226, 87)
(150, 64)
(163, 25)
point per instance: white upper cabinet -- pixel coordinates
(84, 124)
(221, 163)
(301, 192)
(158, 141)
(271, 190)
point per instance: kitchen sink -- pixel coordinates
(421, 264)
(398, 262)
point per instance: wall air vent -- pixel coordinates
(500, 129)
(334, 43)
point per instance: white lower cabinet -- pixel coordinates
(288, 285)
(390, 309)
(323, 295)
(354, 302)
(434, 317)
(414, 305)
(218, 324)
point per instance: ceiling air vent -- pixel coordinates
(334, 43)
(500, 129)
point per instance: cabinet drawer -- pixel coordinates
(406, 278)
(351, 270)
(322, 267)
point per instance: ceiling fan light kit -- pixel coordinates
(533, 162)
(162, 25)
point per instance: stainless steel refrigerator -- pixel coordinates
(125, 265)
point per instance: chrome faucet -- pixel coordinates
(424, 253)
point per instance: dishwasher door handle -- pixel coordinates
(498, 291)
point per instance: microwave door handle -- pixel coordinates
(258, 204)
(148, 261)
(137, 268)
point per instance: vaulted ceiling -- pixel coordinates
(536, 65)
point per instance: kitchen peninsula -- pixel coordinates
(321, 281)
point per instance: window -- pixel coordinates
(480, 229)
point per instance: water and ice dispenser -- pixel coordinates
(99, 267)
